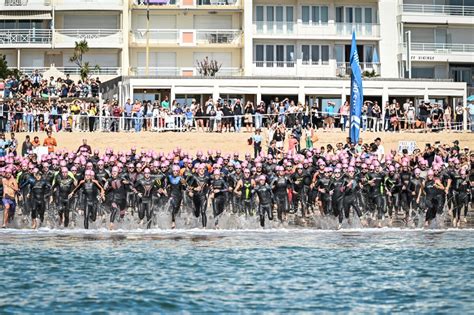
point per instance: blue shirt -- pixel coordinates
(128, 108)
(330, 110)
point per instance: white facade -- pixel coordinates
(248, 38)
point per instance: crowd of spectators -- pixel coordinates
(33, 103)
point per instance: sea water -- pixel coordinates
(229, 271)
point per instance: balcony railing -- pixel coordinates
(218, 36)
(316, 29)
(94, 37)
(100, 71)
(442, 48)
(24, 3)
(31, 36)
(429, 9)
(176, 72)
(274, 64)
(217, 2)
(156, 35)
(344, 68)
(68, 4)
(178, 2)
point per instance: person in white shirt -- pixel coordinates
(380, 149)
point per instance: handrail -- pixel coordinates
(29, 36)
(315, 28)
(81, 32)
(459, 10)
(441, 47)
(176, 71)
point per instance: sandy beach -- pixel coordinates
(230, 142)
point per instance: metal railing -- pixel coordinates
(316, 29)
(94, 3)
(217, 2)
(218, 36)
(442, 48)
(88, 34)
(275, 64)
(160, 35)
(176, 71)
(155, 2)
(344, 68)
(100, 71)
(458, 10)
(25, 3)
(31, 36)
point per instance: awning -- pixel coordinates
(26, 15)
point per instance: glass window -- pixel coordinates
(305, 14)
(279, 14)
(368, 15)
(349, 17)
(259, 13)
(269, 55)
(259, 55)
(314, 54)
(315, 11)
(305, 54)
(325, 54)
(289, 19)
(339, 14)
(270, 11)
(280, 55)
(368, 53)
(423, 73)
(290, 55)
(358, 15)
(324, 14)
(339, 52)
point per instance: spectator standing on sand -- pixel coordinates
(50, 142)
(257, 143)
(27, 146)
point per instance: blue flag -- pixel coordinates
(357, 95)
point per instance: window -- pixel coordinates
(305, 54)
(368, 53)
(269, 55)
(305, 14)
(325, 54)
(290, 55)
(280, 55)
(259, 55)
(314, 54)
(314, 14)
(422, 73)
(259, 13)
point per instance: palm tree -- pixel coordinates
(84, 67)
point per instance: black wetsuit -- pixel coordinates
(39, 188)
(63, 187)
(219, 189)
(146, 187)
(117, 194)
(265, 205)
(280, 185)
(200, 189)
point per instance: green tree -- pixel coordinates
(84, 67)
(4, 71)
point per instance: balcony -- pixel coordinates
(38, 38)
(101, 38)
(109, 5)
(438, 52)
(196, 4)
(181, 72)
(103, 71)
(219, 38)
(315, 30)
(436, 14)
(155, 37)
(344, 68)
(305, 68)
(27, 5)
(190, 38)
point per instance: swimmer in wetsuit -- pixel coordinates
(265, 200)
(91, 189)
(116, 190)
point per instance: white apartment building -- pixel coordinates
(266, 48)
